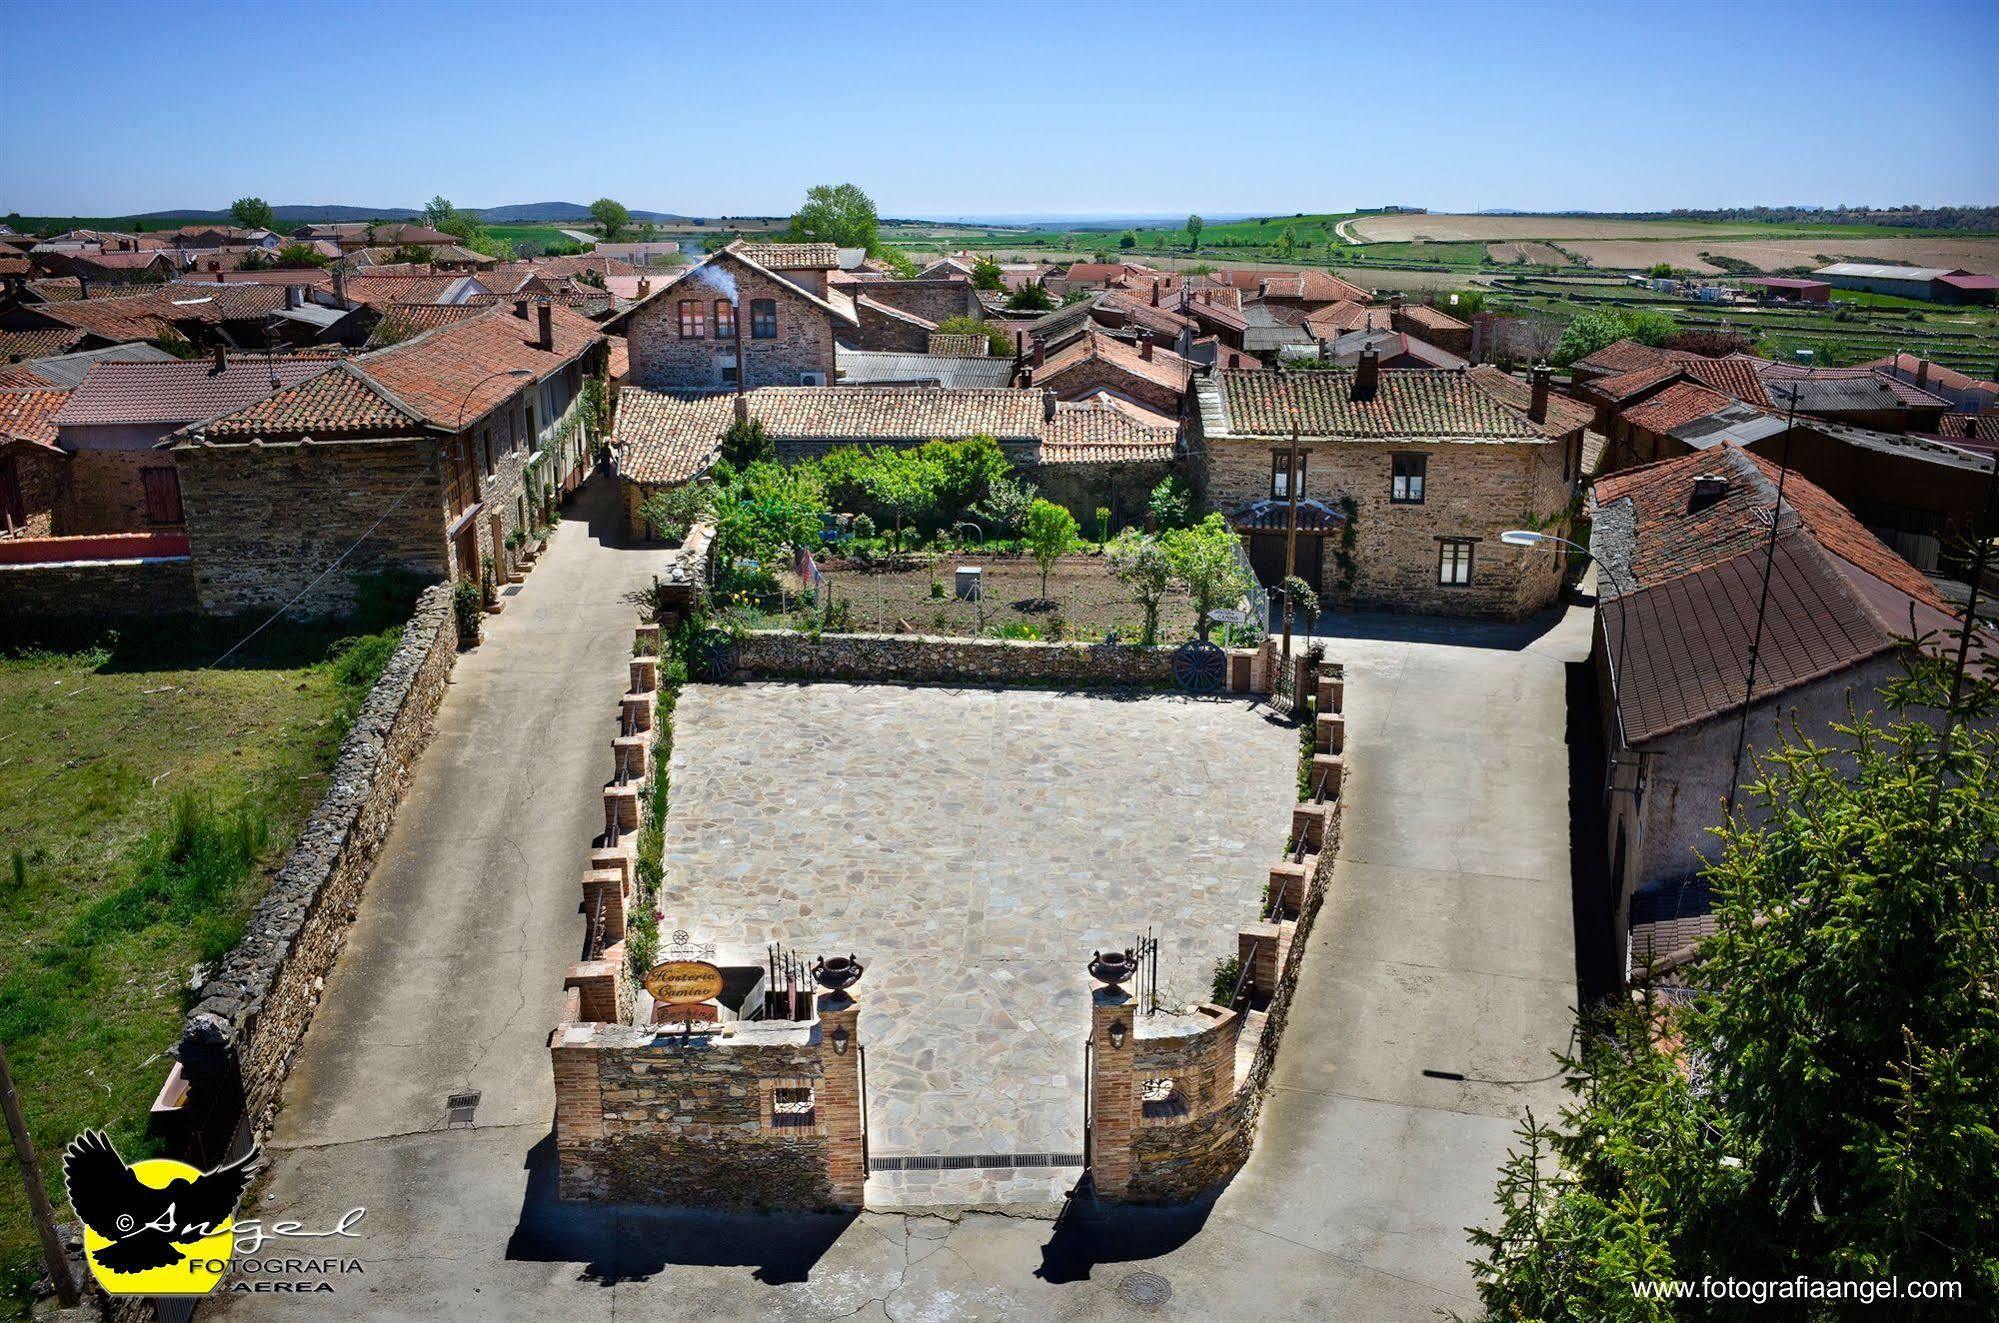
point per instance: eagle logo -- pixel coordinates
(157, 1227)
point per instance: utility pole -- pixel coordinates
(38, 1197)
(1290, 537)
(1762, 603)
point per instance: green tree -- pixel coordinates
(998, 343)
(897, 262)
(1823, 1102)
(1050, 534)
(1171, 505)
(1030, 298)
(838, 214)
(253, 213)
(670, 513)
(1127, 240)
(437, 212)
(1595, 329)
(1206, 563)
(986, 274)
(611, 214)
(746, 442)
(1287, 241)
(904, 484)
(1194, 227)
(297, 256)
(1140, 563)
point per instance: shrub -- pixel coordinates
(641, 944)
(670, 513)
(465, 608)
(1205, 560)
(1221, 987)
(746, 442)
(1004, 511)
(1140, 563)
(1170, 504)
(1019, 629)
(999, 343)
(1030, 298)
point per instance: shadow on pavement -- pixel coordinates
(598, 502)
(1089, 1233)
(1394, 627)
(626, 1243)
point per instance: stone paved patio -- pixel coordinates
(973, 846)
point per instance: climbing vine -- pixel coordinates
(1343, 550)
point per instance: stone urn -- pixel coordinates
(839, 973)
(1112, 967)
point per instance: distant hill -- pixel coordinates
(516, 213)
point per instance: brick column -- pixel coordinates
(1111, 1103)
(838, 1099)
(597, 981)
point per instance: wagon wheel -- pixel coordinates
(1200, 667)
(714, 655)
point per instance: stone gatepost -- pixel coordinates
(839, 1097)
(1113, 1047)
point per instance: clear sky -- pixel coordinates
(949, 108)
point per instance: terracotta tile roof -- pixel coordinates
(1347, 349)
(1135, 308)
(666, 439)
(1165, 368)
(13, 266)
(1326, 323)
(1733, 376)
(1840, 390)
(390, 234)
(29, 415)
(1677, 404)
(189, 300)
(339, 401)
(1683, 583)
(619, 364)
(180, 391)
(1978, 427)
(400, 321)
(835, 303)
(1412, 402)
(38, 342)
(1624, 356)
(1564, 414)
(1093, 273)
(367, 288)
(447, 375)
(22, 377)
(1217, 313)
(115, 320)
(1302, 285)
(1936, 374)
(959, 346)
(1625, 385)
(1104, 432)
(57, 289)
(790, 256)
(1434, 319)
(1222, 353)
(591, 263)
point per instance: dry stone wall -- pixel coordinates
(241, 1037)
(97, 590)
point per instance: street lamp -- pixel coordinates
(467, 401)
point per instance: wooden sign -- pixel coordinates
(692, 1012)
(683, 981)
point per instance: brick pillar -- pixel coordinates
(646, 640)
(597, 981)
(838, 1099)
(1111, 1102)
(645, 674)
(1332, 732)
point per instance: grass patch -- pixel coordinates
(143, 800)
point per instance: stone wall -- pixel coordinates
(930, 659)
(661, 360)
(41, 474)
(1124, 488)
(1472, 489)
(238, 1042)
(1174, 1109)
(890, 331)
(265, 520)
(97, 589)
(103, 492)
(932, 300)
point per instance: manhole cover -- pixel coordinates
(1147, 1290)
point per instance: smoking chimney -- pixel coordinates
(545, 330)
(1537, 403)
(1367, 377)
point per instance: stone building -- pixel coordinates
(1406, 479)
(1683, 545)
(34, 470)
(683, 337)
(1099, 364)
(427, 457)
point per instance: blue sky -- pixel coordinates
(951, 109)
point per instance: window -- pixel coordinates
(726, 369)
(1280, 473)
(725, 320)
(1454, 560)
(1406, 487)
(162, 495)
(1160, 1099)
(693, 319)
(486, 448)
(763, 319)
(792, 1108)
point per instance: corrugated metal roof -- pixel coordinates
(866, 367)
(1882, 271)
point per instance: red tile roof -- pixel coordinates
(448, 375)
(1165, 368)
(1410, 402)
(1104, 432)
(29, 415)
(1624, 356)
(1564, 414)
(1937, 374)
(20, 377)
(339, 401)
(365, 287)
(1734, 376)
(1434, 319)
(38, 342)
(1624, 385)
(1675, 405)
(1682, 584)
(180, 391)
(1305, 285)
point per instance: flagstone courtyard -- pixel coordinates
(972, 847)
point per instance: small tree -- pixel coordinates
(986, 274)
(253, 213)
(1170, 504)
(1140, 563)
(1030, 298)
(837, 214)
(1050, 533)
(1194, 227)
(745, 443)
(998, 343)
(437, 212)
(611, 214)
(1205, 562)
(1127, 240)
(1287, 242)
(298, 257)
(904, 484)
(670, 513)
(897, 262)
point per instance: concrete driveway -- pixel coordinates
(1446, 945)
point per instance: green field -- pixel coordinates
(142, 800)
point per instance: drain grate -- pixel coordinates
(1147, 1290)
(973, 1161)
(459, 1107)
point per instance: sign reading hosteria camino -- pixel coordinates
(683, 981)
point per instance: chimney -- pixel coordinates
(1047, 405)
(340, 287)
(645, 287)
(1708, 488)
(1145, 347)
(1235, 360)
(521, 309)
(218, 277)
(292, 299)
(742, 405)
(1040, 358)
(1537, 403)
(221, 358)
(1155, 292)
(1367, 377)
(545, 330)
(1395, 303)
(82, 286)
(1922, 373)
(1477, 354)
(1019, 345)
(1262, 288)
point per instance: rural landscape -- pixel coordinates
(1283, 711)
